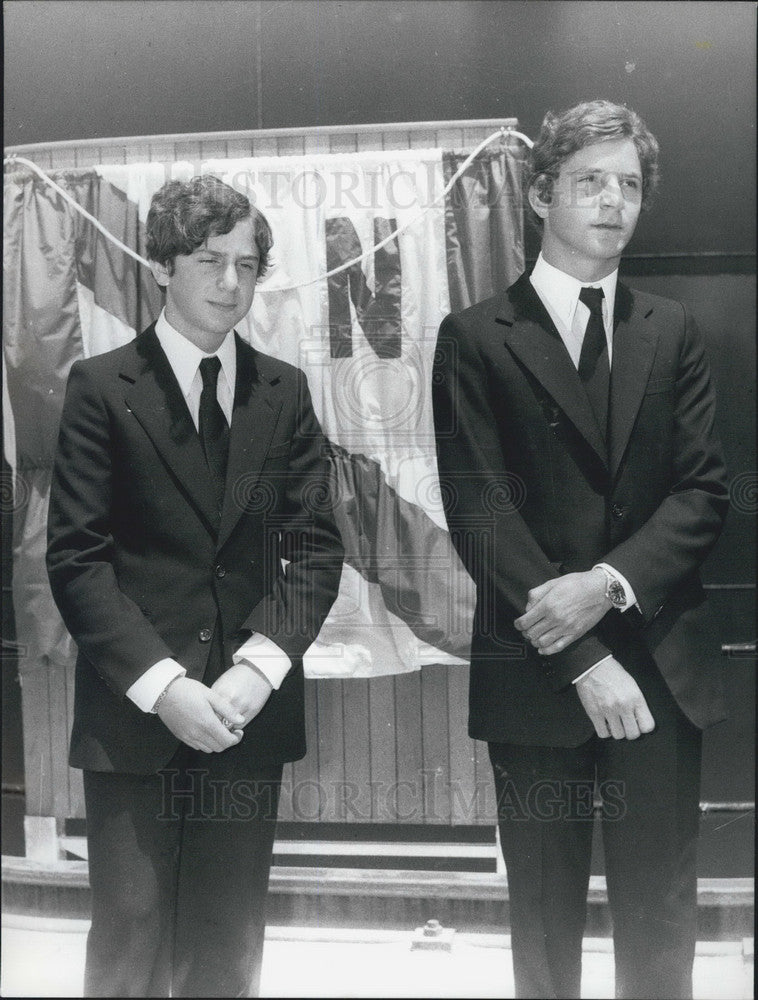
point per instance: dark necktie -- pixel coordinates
(594, 369)
(213, 428)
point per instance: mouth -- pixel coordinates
(223, 305)
(611, 226)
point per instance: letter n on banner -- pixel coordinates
(378, 314)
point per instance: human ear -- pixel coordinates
(161, 272)
(540, 195)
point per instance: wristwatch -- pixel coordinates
(614, 590)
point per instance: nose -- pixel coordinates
(228, 278)
(611, 193)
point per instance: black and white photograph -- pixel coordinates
(378, 499)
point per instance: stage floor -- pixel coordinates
(44, 957)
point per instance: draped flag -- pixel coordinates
(365, 338)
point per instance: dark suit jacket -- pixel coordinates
(531, 491)
(143, 566)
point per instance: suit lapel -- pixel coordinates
(256, 410)
(531, 335)
(157, 402)
(634, 347)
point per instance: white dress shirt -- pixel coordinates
(184, 357)
(559, 293)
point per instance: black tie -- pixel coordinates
(594, 369)
(214, 430)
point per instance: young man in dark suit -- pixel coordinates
(181, 487)
(584, 487)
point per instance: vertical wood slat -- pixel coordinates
(37, 729)
(161, 152)
(239, 148)
(422, 140)
(290, 146)
(485, 809)
(382, 751)
(305, 774)
(44, 159)
(367, 141)
(408, 800)
(435, 734)
(264, 145)
(285, 800)
(462, 751)
(331, 753)
(193, 153)
(450, 138)
(357, 748)
(213, 149)
(315, 142)
(64, 159)
(137, 154)
(343, 143)
(59, 733)
(112, 154)
(75, 780)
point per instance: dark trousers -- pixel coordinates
(179, 866)
(650, 790)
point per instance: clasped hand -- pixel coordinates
(562, 610)
(612, 699)
(193, 712)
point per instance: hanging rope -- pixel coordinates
(501, 133)
(13, 159)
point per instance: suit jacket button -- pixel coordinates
(205, 634)
(220, 572)
(617, 511)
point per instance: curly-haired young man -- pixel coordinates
(168, 572)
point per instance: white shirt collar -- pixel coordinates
(560, 291)
(185, 357)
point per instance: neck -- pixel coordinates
(582, 270)
(204, 340)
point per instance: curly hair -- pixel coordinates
(561, 135)
(183, 214)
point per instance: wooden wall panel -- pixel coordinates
(390, 750)
(264, 142)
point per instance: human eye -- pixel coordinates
(631, 188)
(590, 181)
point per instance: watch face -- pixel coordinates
(616, 594)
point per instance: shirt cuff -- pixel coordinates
(590, 669)
(263, 655)
(146, 689)
(631, 600)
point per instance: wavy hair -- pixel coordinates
(561, 135)
(183, 214)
